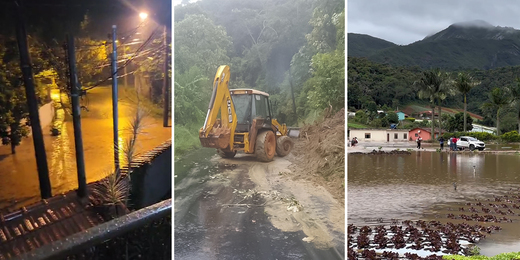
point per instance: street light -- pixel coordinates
(143, 16)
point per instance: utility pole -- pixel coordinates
(114, 99)
(165, 80)
(76, 118)
(124, 68)
(26, 67)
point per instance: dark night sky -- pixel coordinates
(54, 18)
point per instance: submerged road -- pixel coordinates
(244, 209)
(19, 184)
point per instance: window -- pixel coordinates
(416, 134)
(242, 105)
(396, 136)
(367, 135)
(260, 108)
(405, 136)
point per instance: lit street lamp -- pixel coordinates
(143, 16)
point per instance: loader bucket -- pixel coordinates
(293, 132)
(218, 138)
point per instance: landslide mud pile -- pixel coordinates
(320, 154)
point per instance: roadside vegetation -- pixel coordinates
(293, 50)
(503, 256)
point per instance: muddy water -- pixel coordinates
(389, 188)
(232, 209)
(19, 185)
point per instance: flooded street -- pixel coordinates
(244, 209)
(383, 189)
(19, 184)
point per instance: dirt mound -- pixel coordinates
(320, 154)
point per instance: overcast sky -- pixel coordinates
(406, 21)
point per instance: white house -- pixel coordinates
(379, 135)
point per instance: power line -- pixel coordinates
(128, 61)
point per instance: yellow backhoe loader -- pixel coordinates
(245, 122)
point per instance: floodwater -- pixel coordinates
(19, 185)
(224, 211)
(428, 185)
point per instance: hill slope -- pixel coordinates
(474, 44)
(362, 45)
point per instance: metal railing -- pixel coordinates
(142, 234)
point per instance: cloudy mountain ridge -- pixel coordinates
(472, 30)
(473, 44)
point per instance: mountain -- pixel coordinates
(362, 45)
(473, 44)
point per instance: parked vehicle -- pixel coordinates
(471, 143)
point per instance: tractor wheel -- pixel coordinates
(226, 154)
(284, 145)
(265, 146)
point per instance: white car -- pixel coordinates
(471, 143)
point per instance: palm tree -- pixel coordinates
(515, 96)
(498, 98)
(464, 84)
(428, 86)
(445, 89)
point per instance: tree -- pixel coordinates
(393, 118)
(429, 86)
(515, 96)
(498, 98)
(201, 43)
(192, 96)
(456, 123)
(464, 83)
(445, 90)
(14, 113)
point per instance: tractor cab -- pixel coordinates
(251, 104)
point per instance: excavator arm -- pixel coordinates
(219, 132)
(279, 127)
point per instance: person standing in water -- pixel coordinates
(441, 142)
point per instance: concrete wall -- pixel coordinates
(423, 134)
(400, 115)
(376, 135)
(46, 114)
(380, 135)
(398, 135)
(151, 177)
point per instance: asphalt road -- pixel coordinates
(223, 211)
(19, 184)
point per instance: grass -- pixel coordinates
(503, 256)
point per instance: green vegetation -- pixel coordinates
(297, 59)
(361, 45)
(457, 122)
(356, 125)
(511, 137)
(464, 83)
(503, 256)
(498, 99)
(13, 105)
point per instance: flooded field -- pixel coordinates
(445, 187)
